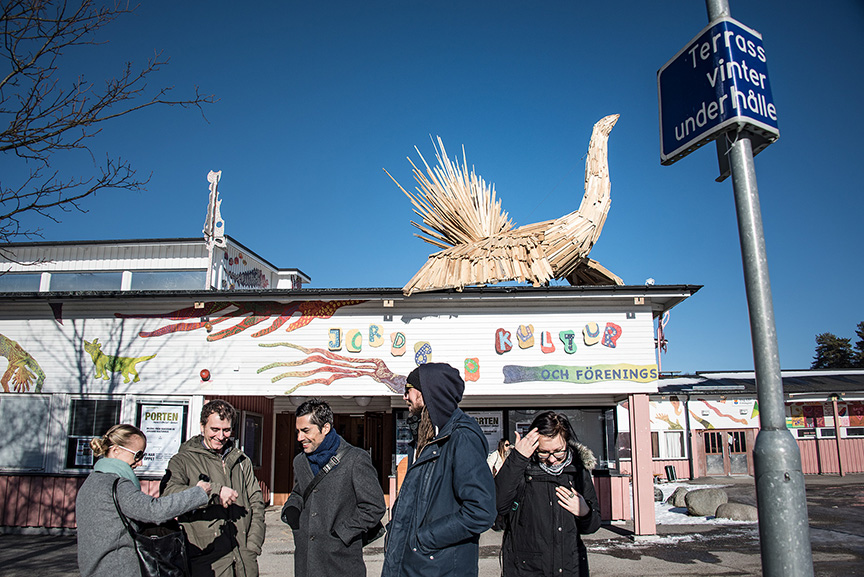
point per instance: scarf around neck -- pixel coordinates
(328, 447)
(558, 467)
(117, 467)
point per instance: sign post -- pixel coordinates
(717, 87)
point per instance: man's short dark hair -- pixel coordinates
(321, 412)
(221, 408)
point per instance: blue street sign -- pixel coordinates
(717, 82)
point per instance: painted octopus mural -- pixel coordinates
(248, 314)
(334, 367)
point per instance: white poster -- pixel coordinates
(163, 425)
(492, 426)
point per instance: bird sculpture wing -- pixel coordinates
(479, 244)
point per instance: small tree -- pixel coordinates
(859, 346)
(832, 352)
(41, 117)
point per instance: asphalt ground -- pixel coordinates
(835, 508)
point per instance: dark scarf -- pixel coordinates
(328, 447)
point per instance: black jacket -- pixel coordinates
(541, 538)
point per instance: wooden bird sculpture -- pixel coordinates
(461, 215)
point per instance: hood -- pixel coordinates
(442, 389)
(584, 454)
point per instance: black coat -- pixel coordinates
(346, 502)
(541, 538)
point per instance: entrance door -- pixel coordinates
(727, 452)
(286, 449)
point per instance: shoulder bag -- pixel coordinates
(161, 550)
(368, 535)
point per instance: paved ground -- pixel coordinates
(835, 509)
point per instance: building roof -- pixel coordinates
(800, 384)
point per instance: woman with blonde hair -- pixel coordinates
(104, 546)
(496, 457)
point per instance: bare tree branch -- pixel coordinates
(41, 117)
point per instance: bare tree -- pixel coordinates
(42, 118)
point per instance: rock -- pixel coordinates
(676, 499)
(704, 502)
(658, 494)
(737, 512)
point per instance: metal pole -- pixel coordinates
(784, 532)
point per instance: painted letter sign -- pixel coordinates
(716, 82)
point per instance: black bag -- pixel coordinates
(161, 550)
(369, 535)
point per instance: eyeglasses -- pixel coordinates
(138, 455)
(506, 444)
(559, 455)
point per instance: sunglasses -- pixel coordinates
(138, 455)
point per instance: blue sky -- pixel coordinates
(315, 98)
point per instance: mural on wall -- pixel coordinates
(336, 366)
(581, 375)
(810, 415)
(257, 311)
(22, 368)
(107, 364)
(703, 413)
(239, 274)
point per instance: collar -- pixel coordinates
(117, 467)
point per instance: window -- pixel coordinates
(805, 433)
(23, 283)
(667, 444)
(169, 280)
(88, 419)
(826, 433)
(852, 432)
(25, 426)
(253, 435)
(624, 451)
(86, 281)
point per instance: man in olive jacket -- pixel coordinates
(225, 536)
(346, 501)
(447, 498)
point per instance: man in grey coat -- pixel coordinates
(345, 502)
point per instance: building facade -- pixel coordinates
(90, 354)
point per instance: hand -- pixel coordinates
(204, 485)
(572, 501)
(528, 444)
(228, 496)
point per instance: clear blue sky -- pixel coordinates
(317, 97)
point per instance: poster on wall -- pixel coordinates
(165, 428)
(492, 426)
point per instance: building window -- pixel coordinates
(805, 433)
(253, 437)
(88, 419)
(86, 281)
(25, 428)
(19, 283)
(826, 433)
(168, 280)
(852, 432)
(667, 444)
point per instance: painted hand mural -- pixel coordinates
(22, 368)
(337, 366)
(257, 311)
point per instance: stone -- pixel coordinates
(658, 494)
(676, 499)
(704, 502)
(737, 512)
